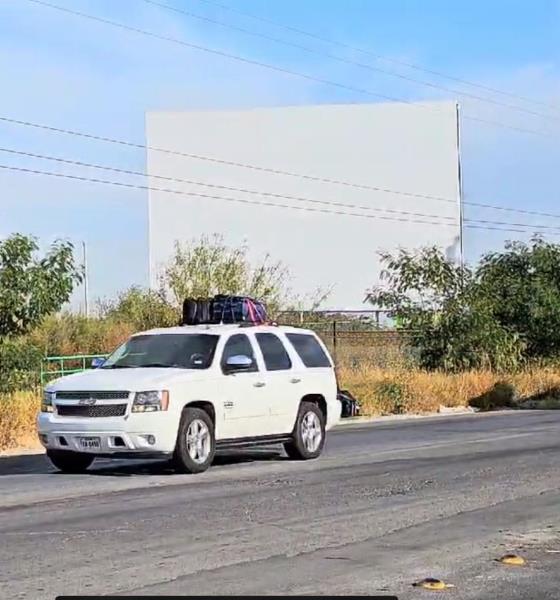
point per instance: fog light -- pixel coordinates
(151, 439)
(44, 438)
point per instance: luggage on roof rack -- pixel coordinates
(238, 309)
(223, 309)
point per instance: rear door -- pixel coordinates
(283, 382)
(317, 370)
(244, 394)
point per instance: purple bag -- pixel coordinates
(238, 309)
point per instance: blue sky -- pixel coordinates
(65, 71)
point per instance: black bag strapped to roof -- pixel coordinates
(238, 309)
(223, 309)
(350, 406)
(204, 310)
(197, 311)
(189, 311)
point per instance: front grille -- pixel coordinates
(96, 395)
(99, 410)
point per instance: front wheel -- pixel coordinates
(309, 433)
(70, 462)
(196, 445)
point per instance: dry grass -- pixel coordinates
(390, 391)
(380, 391)
(18, 412)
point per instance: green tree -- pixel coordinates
(207, 266)
(32, 287)
(522, 286)
(451, 323)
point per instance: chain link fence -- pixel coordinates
(358, 338)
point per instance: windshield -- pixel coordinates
(183, 351)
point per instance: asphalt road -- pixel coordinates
(385, 506)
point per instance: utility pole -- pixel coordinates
(86, 294)
(460, 188)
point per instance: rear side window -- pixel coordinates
(275, 356)
(309, 350)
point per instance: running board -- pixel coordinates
(264, 440)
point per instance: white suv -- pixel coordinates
(184, 392)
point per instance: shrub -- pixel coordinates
(501, 395)
(20, 362)
(392, 396)
(75, 334)
(18, 412)
(142, 309)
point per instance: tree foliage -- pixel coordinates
(32, 287)
(207, 266)
(142, 309)
(452, 322)
(522, 286)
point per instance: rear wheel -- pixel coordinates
(196, 445)
(309, 433)
(70, 462)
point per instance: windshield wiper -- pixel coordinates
(159, 365)
(120, 367)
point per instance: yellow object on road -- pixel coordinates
(512, 559)
(433, 584)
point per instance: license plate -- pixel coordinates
(90, 443)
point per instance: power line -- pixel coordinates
(255, 202)
(304, 176)
(264, 193)
(377, 56)
(283, 70)
(348, 61)
(213, 197)
(216, 186)
(224, 161)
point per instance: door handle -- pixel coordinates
(295, 380)
(259, 384)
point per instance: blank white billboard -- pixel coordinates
(373, 150)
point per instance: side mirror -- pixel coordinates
(97, 362)
(239, 362)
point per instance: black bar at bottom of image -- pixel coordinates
(195, 597)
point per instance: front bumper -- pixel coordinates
(150, 432)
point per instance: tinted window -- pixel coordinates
(239, 344)
(309, 350)
(185, 351)
(275, 356)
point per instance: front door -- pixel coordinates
(244, 397)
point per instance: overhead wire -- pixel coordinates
(264, 203)
(270, 170)
(349, 61)
(377, 56)
(214, 185)
(284, 70)
(264, 193)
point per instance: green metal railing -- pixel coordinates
(58, 366)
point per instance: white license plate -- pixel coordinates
(90, 443)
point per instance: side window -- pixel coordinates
(309, 350)
(275, 356)
(239, 344)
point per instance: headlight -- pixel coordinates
(150, 401)
(47, 403)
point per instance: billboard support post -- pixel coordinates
(460, 187)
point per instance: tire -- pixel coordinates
(302, 447)
(70, 462)
(196, 456)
